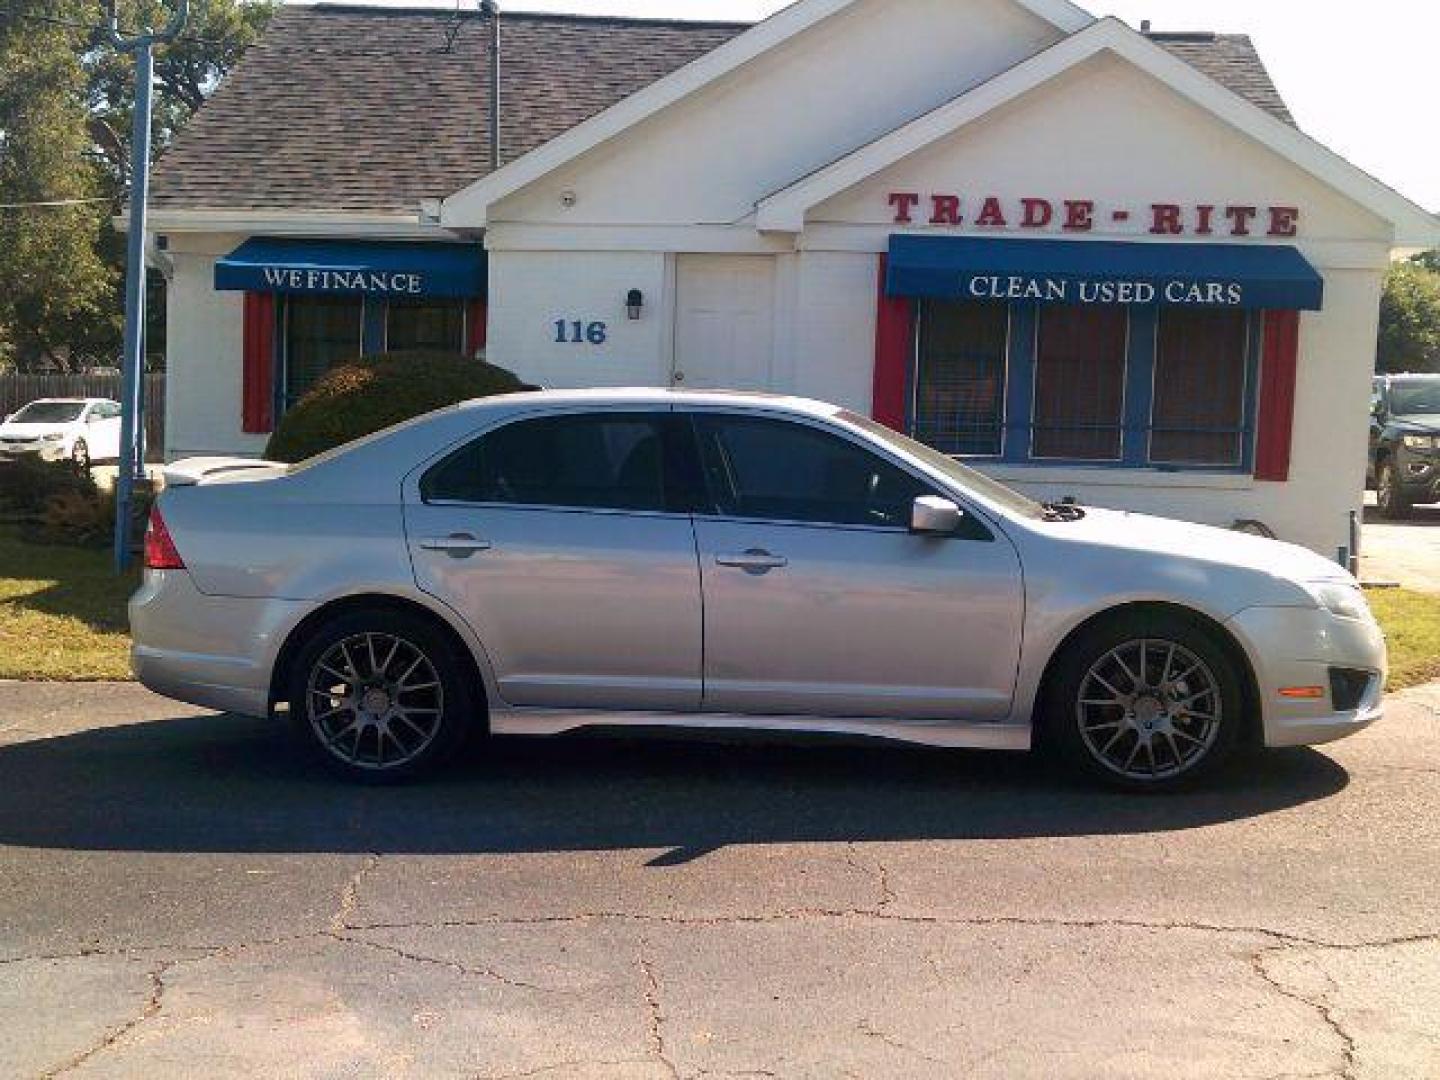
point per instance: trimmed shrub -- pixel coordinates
(28, 483)
(377, 392)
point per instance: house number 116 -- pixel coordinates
(576, 332)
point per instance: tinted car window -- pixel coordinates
(611, 461)
(49, 412)
(781, 471)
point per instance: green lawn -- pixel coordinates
(62, 611)
(1412, 628)
(62, 616)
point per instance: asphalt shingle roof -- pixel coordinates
(374, 109)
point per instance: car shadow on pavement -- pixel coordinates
(230, 784)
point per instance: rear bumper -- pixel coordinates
(1297, 647)
(213, 651)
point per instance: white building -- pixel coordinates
(1095, 262)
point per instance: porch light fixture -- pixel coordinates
(634, 303)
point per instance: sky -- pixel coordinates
(1359, 76)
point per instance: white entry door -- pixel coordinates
(724, 322)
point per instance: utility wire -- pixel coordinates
(49, 202)
(93, 28)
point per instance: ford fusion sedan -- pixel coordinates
(542, 562)
(80, 430)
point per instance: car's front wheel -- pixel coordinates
(1389, 495)
(80, 456)
(380, 696)
(1144, 702)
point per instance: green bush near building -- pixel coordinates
(377, 392)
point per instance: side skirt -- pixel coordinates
(948, 733)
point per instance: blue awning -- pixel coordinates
(1103, 272)
(354, 268)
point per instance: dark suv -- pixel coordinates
(1405, 441)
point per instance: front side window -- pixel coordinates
(778, 470)
(320, 332)
(1198, 410)
(429, 325)
(960, 377)
(1079, 383)
(614, 461)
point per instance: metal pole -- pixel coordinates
(132, 383)
(132, 426)
(492, 9)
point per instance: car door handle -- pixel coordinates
(457, 544)
(754, 561)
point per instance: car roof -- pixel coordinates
(70, 400)
(652, 395)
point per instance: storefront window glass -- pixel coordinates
(959, 404)
(1199, 403)
(320, 332)
(425, 324)
(1079, 383)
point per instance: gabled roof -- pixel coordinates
(471, 203)
(367, 109)
(784, 211)
(342, 110)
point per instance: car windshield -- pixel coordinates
(1409, 397)
(971, 479)
(49, 412)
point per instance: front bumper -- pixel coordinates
(48, 451)
(1419, 477)
(1297, 647)
(213, 651)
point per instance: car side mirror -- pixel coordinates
(931, 515)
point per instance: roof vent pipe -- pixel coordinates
(491, 10)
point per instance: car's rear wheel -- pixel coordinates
(80, 456)
(1389, 495)
(380, 696)
(1145, 702)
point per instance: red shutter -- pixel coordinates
(892, 356)
(475, 316)
(258, 383)
(1277, 395)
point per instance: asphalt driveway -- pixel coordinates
(1405, 551)
(178, 897)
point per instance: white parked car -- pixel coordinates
(81, 430)
(541, 562)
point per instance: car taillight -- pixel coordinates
(160, 550)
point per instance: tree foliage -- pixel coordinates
(55, 288)
(66, 104)
(1410, 316)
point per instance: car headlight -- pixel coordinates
(54, 436)
(1340, 598)
(1421, 442)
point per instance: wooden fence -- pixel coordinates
(17, 389)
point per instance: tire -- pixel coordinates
(1390, 497)
(403, 694)
(1161, 728)
(80, 456)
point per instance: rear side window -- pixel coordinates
(776, 470)
(614, 461)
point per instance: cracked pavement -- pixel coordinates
(179, 896)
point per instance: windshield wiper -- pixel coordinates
(1062, 511)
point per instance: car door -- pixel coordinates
(105, 423)
(564, 539)
(820, 601)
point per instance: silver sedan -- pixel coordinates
(537, 563)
